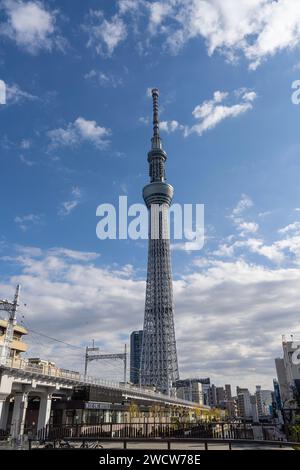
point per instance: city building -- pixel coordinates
(159, 366)
(264, 400)
(244, 403)
(277, 396)
(228, 395)
(254, 409)
(17, 346)
(196, 390)
(136, 339)
(288, 373)
(213, 396)
(220, 395)
(231, 408)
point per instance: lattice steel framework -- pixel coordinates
(159, 366)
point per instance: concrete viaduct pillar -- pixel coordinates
(5, 391)
(4, 410)
(19, 414)
(45, 410)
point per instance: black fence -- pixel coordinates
(3, 435)
(151, 430)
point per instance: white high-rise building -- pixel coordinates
(244, 403)
(288, 371)
(264, 400)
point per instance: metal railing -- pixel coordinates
(3, 434)
(206, 434)
(208, 444)
(152, 429)
(80, 379)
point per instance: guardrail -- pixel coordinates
(69, 442)
(81, 379)
(163, 429)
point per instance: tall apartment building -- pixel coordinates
(244, 403)
(264, 400)
(228, 395)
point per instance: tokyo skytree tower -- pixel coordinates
(159, 366)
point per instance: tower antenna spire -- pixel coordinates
(159, 365)
(156, 140)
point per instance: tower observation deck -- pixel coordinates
(159, 366)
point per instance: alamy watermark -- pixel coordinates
(179, 222)
(2, 92)
(296, 353)
(296, 94)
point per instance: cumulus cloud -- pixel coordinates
(81, 130)
(237, 216)
(170, 126)
(286, 249)
(30, 25)
(294, 227)
(104, 35)
(256, 29)
(210, 113)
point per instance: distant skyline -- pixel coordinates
(75, 132)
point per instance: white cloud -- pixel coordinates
(244, 203)
(243, 226)
(30, 25)
(257, 29)
(283, 250)
(25, 221)
(15, 95)
(103, 79)
(25, 144)
(103, 34)
(247, 227)
(81, 130)
(272, 252)
(75, 255)
(144, 120)
(129, 6)
(170, 126)
(67, 207)
(210, 113)
(158, 11)
(27, 161)
(290, 228)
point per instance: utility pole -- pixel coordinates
(11, 308)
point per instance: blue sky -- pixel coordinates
(75, 132)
